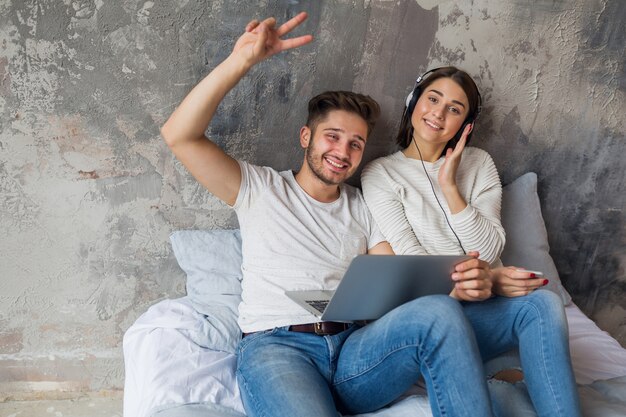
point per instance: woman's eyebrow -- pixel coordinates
(441, 94)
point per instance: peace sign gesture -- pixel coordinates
(261, 40)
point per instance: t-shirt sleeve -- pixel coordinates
(388, 211)
(254, 180)
(376, 236)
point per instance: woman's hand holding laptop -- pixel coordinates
(473, 279)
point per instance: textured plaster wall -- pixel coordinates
(89, 193)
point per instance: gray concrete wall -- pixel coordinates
(89, 193)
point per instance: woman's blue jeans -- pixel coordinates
(283, 373)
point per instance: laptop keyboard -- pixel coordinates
(319, 305)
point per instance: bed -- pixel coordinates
(179, 355)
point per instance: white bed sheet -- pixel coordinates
(596, 355)
(167, 363)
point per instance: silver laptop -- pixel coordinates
(376, 284)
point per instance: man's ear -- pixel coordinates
(305, 136)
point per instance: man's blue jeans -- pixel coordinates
(283, 373)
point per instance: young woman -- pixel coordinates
(437, 196)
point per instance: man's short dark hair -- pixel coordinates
(360, 104)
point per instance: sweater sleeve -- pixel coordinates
(478, 225)
(383, 198)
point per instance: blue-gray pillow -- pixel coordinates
(212, 261)
(526, 235)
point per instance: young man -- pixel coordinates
(300, 232)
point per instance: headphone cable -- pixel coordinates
(436, 198)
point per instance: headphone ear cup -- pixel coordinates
(452, 143)
(408, 99)
(411, 100)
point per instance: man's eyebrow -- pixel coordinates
(336, 129)
(441, 94)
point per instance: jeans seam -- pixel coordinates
(543, 359)
(435, 384)
(551, 383)
(251, 396)
(330, 346)
(243, 346)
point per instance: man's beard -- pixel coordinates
(315, 163)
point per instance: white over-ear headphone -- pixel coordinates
(417, 81)
(413, 96)
(408, 99)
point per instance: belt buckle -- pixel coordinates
(317, 327)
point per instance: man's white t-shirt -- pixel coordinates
(291, 241)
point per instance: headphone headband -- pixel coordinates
(421, 77)
(417, 83)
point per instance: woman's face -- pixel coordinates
(439, 112)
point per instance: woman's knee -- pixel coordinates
(546, 302)
(546, 307)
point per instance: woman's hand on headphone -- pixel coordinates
(447, 174)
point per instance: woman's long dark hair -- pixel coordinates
(405, 133)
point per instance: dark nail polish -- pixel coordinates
(545, 282)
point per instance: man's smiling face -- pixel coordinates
(335, 146)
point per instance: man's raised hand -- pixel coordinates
(261, 40)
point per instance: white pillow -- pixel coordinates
(526, 236)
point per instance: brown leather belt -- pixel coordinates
(323, 328)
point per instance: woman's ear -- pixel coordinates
(305, 136)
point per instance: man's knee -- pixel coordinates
(436, 311)
(436, 306)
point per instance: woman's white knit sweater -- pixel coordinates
(400, 197)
